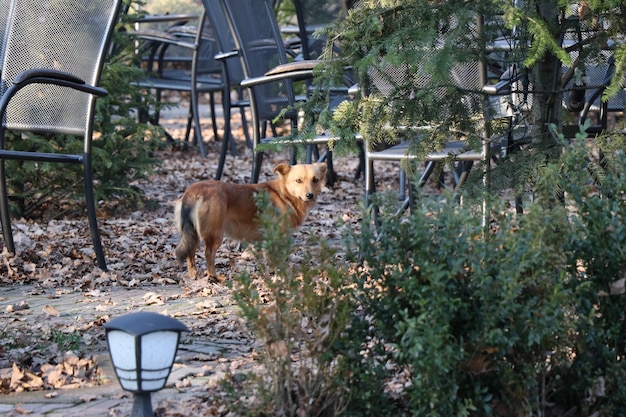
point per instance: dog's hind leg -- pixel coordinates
(189, 240)
(212, 245)
(211, 229)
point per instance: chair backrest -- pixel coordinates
(70, 36)
(445, 95)
(207, 47)
(5, 7)
(312, 15)
(593, 66)
(224, 38)
(260, 45)
(432, 91)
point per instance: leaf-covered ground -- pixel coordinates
(55, 259)
(139, 245)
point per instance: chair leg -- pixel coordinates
(309, 154)
(257, 161)
(332, 175)
(213, 117)
(370, 190)
(222, 160)
(361, 167)
(244, 121)
(461, 172)
(402, 185)
(370, 187)
(188, 128)
(428, 170)
(196, 120)
(4, 211)
(226, 141)
(293, 156)
(91, 213)
(227, 106)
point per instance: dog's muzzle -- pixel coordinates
(309, 196)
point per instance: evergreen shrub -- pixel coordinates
(441, 316)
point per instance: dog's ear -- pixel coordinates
(322, 167)
(282, 169)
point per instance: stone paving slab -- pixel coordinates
(200, 361)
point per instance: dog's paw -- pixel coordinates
(218, 279)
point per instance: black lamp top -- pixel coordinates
(144, 322)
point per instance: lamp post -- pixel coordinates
(142, 348)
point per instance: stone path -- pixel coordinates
(217, 344)
(200, 360)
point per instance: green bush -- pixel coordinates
(473, 318)
(526, 319)
(595, 184)
(300, 312)
(442, 317)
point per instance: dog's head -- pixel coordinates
(303, 181)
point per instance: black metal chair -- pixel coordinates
(232, 75)
(313, 15)
(51, 64)
(465, 90)
(269, 77)
(159, 48)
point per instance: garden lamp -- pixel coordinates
(142, 348)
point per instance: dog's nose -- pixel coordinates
(309, 196)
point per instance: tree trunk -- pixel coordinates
(547, 106)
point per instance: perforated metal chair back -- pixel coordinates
(60, 35)
(258, 39)
(53, 57)
(313, 15)
(436, 95)
(593, 70)
(224, 38)
(5, 6)
(434, 107)
(208, 47)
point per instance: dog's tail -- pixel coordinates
(189, 238)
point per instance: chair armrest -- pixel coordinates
(498, 88)
(222, 56)
(295, 76)
(184, 31)
(174, 19)
(354, 90)
(161, 37)
(56, 77)
(307, 65)
(296, 71)
(503, 86)
(45, 72)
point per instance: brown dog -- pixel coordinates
(213, 209)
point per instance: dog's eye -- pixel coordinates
(316, 180)
(299, 181)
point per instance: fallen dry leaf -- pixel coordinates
(153, 298)
(51, 311)
(22, 305)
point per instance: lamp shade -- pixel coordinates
(143, 347)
